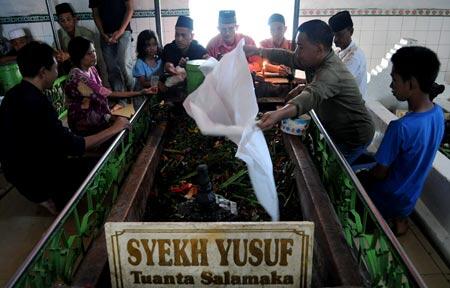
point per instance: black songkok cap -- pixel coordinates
(186, 22)
(276, 18)
(340, 21)
(227, 17)
(64, 8)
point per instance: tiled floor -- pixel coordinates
(22, 224)
(429, 264)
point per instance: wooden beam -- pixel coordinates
(333, 261)
(130, 206)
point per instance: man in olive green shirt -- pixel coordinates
(331, 91)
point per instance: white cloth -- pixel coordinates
(355, 60)
(225, 105)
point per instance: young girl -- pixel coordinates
(148, 61)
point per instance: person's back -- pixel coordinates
(33, 138)
(35, 145)
(342, 110)
(31, 132)
(406, 154)
(25, 116)
(414, 140)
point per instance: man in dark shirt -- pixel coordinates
(183, 48)
(35, 146)
(112, 18)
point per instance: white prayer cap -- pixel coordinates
(16, 33)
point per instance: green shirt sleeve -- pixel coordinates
(282, 56)
(324, 86)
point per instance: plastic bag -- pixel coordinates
(175, 79)
(225, 105)
(208, 66)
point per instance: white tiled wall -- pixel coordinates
(377, 34)
(173, 4)
(364, 4)
(42, 30)
(27, 7)
(168, 26)
(374, 34)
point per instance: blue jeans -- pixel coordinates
(351, 154)
(118, 62)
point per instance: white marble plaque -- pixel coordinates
(239, 254)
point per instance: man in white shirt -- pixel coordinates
(352, 56)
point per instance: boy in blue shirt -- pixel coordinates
(409, 146)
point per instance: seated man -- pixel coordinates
(18, 38)
(409, 146)
(35, 146)
(184, 47)
(228, 39)
(331, 90)
(277, 30)
(352, 56)
(69, 30)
